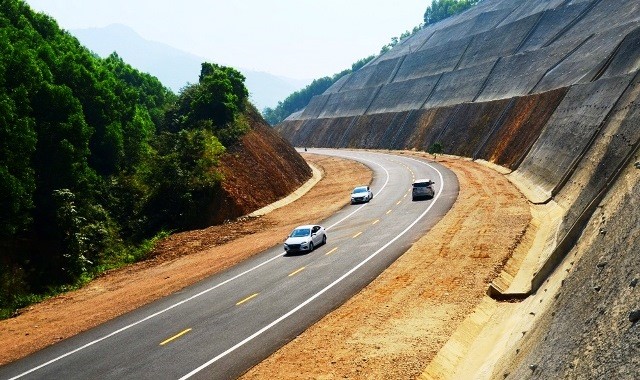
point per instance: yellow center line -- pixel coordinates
(398, 202)
(175, 337)
(332, 251)
(296, 271)
(358, 234)
(247, 299)
(389, 212)
(375, 221)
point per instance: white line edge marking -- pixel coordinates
(325, 289)
(192, 297)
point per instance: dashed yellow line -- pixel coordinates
(332, 251)
(296, 271)
(178, 335)
(397, 203)
(247, 299)
(376, 221)
(358, 234)
(388, 212)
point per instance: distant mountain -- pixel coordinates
(176, 68)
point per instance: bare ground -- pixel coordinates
(390, 330)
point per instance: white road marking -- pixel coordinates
(190, 298)
(325, 289)
(259, 332)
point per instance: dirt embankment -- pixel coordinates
(261, 169)
(392, 329)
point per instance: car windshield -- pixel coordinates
(421, 184)
(360, 190)
(300, 232)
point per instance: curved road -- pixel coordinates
(222, 326)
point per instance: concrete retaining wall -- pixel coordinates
(403, 96)
(520, 127)
(432, 61)
(499, 42)
(348, 103)
(618, 138)
(469, 125)
(459, 86)
(518, 74)
(568, 133)
(584, 63)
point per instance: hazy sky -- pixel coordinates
(304, 39)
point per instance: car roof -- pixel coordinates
(306, 226)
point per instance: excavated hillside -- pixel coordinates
(261, 169)
(547, 91)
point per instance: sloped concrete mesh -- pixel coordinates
(429, 124)
(520, 127)
(337, 86)
(499, 42)
(290, 129)
(627, 57)
(432, 61)
(617, 141)
(426, 126)
(582, 65)
(398, 132)
(370, 131)
(315, 106)
(552, 22)
(330, 131)
(348, 103)
(464, 28)
(606, 14)
(527, 8)
(403, 96)
(569, 131)
(469, 125)
(517, 75)
(371, 76)
(459, 86)
(305, 130)
(408, 46)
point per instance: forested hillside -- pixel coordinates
(98, 159)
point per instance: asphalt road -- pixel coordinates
(222, 326)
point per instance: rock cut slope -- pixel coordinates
(550, 91)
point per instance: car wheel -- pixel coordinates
(311, 247)
(324, 239)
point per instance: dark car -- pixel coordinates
(422, 188)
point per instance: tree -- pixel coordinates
(441, 9)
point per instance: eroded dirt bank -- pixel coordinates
(392, 329)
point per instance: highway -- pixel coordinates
(224, 325)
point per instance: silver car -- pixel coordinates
(305, 238)
(422, 188)
(361, 194)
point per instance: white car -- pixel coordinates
(361, 194)
(305, 238)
